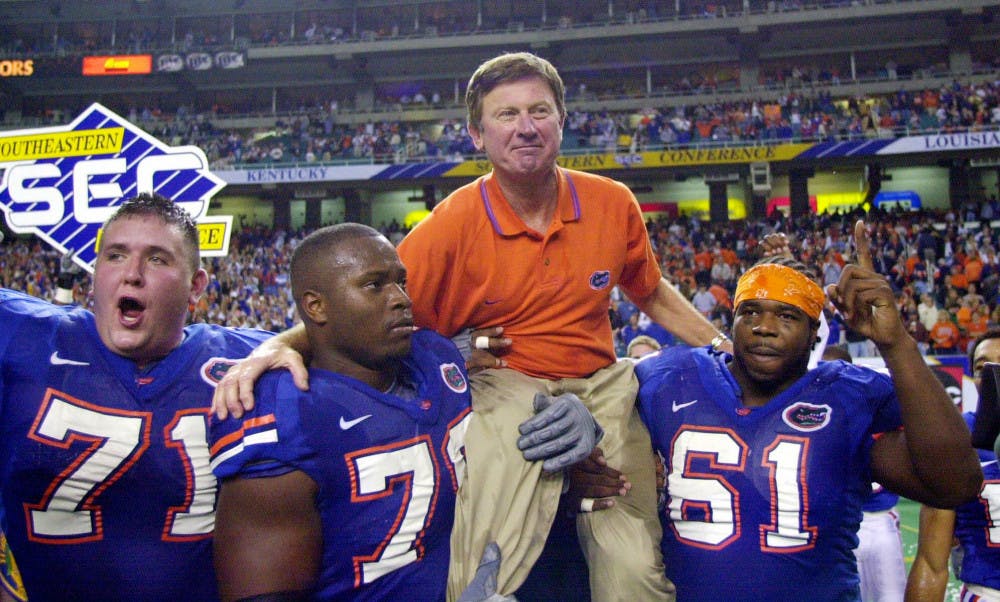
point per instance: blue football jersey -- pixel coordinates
(104, 468)
(763, 503)
(387, 468)
(977, 525)
(880, 499)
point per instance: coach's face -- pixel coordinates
(521, 128)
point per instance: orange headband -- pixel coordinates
(781, 283)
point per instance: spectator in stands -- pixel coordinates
(979, 323)
(831, 268)
(642, 345)
(944, 335)
(919, 333)
(703, 300)
(722, 271)
(631, 330)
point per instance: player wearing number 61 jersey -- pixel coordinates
(104, 466)
(771, 495)
(768, 463)
(389, 465)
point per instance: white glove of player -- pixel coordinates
(562, 432)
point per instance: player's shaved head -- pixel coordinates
(350, 291)
(324, 250)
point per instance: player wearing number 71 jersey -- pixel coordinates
(768, 464)
(104, 466)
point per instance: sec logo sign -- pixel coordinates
(62, 183)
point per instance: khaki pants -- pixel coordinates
(513, 502)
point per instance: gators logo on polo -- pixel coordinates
(452, 376)
(599, 280)
(807, 417)
(215, 368)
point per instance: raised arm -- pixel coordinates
(928, 577)
(268, 537)
(288, 350)
(931, 459)
(668, 308)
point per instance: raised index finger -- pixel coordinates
(862, 244)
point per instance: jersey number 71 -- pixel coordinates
(69, 512)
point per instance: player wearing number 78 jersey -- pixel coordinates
(389, 464)
(768, 463)
(347, 491)
(104, 466)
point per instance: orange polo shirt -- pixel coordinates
(474, 264)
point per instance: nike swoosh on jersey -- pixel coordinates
(55, 360)
(680, 406)
(347, 424)
(492, 301)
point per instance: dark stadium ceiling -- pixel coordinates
(444, 61)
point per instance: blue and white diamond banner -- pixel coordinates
(62, 183)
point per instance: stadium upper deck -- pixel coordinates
(248, 63)
(251, 60)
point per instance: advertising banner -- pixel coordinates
(62, 183)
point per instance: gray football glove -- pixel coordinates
(483, 587)
(562, 432)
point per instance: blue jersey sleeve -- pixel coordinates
(264, 441)
(16, 310)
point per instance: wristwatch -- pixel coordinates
(718, 341)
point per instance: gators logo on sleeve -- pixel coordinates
(215, 368)
(10, 577)
(452, 376)
(599, 280)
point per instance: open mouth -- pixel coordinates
(130, 308)
(404, 324)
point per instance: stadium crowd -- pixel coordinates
(313, 134)
(943, 266)
(144, 33)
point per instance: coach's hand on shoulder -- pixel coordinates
(234, 393)
(562, 432)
